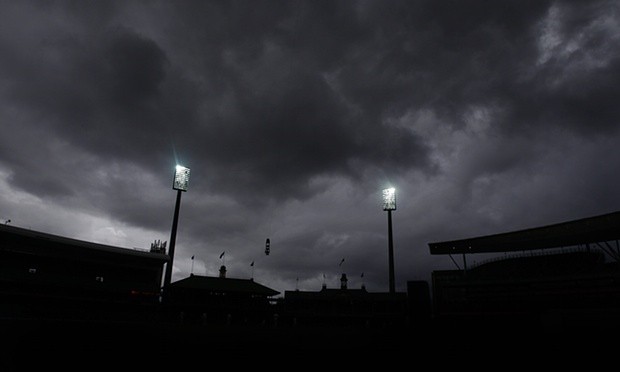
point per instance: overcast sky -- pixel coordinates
(486, 116)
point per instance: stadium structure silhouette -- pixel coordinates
(549, 287)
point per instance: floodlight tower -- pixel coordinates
(180, 182)
(389, 204)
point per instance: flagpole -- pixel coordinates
(192, 271)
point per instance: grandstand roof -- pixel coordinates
(26, 241)
(594, 229)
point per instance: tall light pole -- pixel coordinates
(389, 204)
(181, 180)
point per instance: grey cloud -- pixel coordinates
(273, 105)
(136, 68)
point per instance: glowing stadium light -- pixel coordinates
(181, 178)
(389, 204)
(389, 199)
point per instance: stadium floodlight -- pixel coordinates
(389, 199)
(181, 178)
(389, 204)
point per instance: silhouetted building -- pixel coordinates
(343, 281)
(419, 303)
(560, 274)
(205, 299)
(344, 307)
(44, 275)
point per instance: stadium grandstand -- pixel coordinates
(558, 277)
(46, 276)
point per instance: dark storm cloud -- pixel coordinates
(90, 90)
(310, 87)
(448, 55)
(282, 120)
(70, 100)
(294, 133)
(440, 55)
(111, 90)
(136, 69)
(294, 112)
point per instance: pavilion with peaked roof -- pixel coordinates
(207, 299)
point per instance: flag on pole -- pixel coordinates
(252, 264)
(340, 264)
(222, 255)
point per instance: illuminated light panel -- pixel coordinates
(181, 178)
(389, 199)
